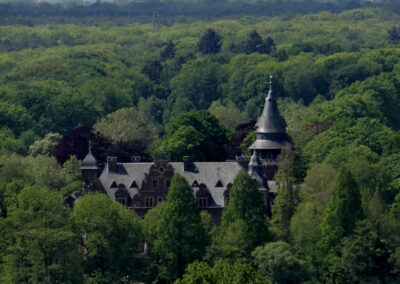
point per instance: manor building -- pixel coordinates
(142, 185)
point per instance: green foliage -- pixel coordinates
(286, 199)
(342, 212)
(228, 115)
(364, 258)
(127, 124)
(201, 272)
(179, 239)
(45, 146)
(196, 86)
(195, 134)
(111, 236)
(279, 264)
(210, 42)
(244, 224)
(38, 244)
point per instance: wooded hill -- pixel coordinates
(140, 87)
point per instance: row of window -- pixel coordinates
(155, 183)
(149, 201)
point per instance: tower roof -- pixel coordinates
(255, 160)
(90, 162)
(270, 120)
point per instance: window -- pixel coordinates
(202, 201)
(219, 184)
(167, 183)
(122, 201)
(148, 201)
(195, 184)
(160, 199)
(113, 185)
(155, 183)
(133, 184)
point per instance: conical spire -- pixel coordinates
(255, 169)
(270, 120)
(254, 160)
(90, 162)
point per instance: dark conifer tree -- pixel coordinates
(245, 204)
(342, 212)
(152, 69)
(168, 51)
(180, 238)
(210, 42)
(254, 43)
(394, 34)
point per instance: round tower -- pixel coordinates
(271, 135)
(89, 171)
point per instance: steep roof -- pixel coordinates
(89, 162)
(211, 174)
(270, 120)
(271, 126)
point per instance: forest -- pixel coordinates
(141, 82)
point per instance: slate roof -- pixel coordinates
(270, 120)
(89, 162)
(261, 144)
(208, 173)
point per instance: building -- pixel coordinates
(142, 185)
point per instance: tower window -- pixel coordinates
(155, 183)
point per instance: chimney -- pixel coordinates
(112, 164)
(136, 159)
(186, 163)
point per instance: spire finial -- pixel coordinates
(90, 146)
(270, 87)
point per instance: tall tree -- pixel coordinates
(342, 212)
(152, 68)
(37, 243)
(285, 202)
(210, 42)
(196, 134)
(279, 264)
(168, 51)
(111, 236)
(254, 43)
(179, 238)
(394, 34)
(246, 212)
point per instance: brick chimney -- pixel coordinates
(112, 164)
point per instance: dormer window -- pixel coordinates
(133, 185)
(219, 184)
(123, 201)
(195, 184)
(155, 183)
(202, 202)
(113, 185)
